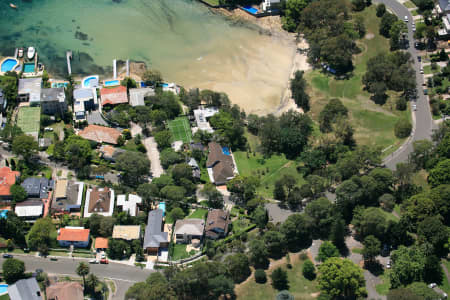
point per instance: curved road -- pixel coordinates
(423, 124)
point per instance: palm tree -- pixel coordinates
(83, 270)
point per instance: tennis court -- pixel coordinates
(28, 119)
(180, 129)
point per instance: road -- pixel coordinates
(123, 275)
(423, 120)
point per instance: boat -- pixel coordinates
(13, 6)
(31, 52)
(20, 52)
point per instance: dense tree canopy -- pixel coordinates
(13, 270)
(134, 166)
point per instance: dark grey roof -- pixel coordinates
(153, 234)
(197, 146)
(1, 97)
(37, 187)
(25, 289)
(53, 94)
(444, 5)
(71, 201)
(83, 93)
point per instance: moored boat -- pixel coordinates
(31, 52)
(20, 52)
(13, 6)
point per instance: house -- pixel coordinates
(444, 32)
(155, 238)
(3, 100)
(196, 173)
(114, 96)
(269, 5)
(7, 179)
(110, 153)
(127, 232)
(76, 236)
(30, 90)
(25, 289)
(99, 201)
(196, 146)
(188, 229)
(44, 142)
(65, 290)
(30, 209)
(220, 164)
(137, 96)
(129, 205)
(201, 117)
(101, 244)
(100, 134)
(53, 101)
(67, 196)
(443, 7)
(85, 99)
(37, 187)
(217, 224)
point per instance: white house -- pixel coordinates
(271, 4)
(129, 205)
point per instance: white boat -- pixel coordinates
(13, 6)
(31, 52)
(20, 52)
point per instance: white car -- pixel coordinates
(432, 285)
(414, 107)
(406, 19)
(103, 256)
(388, 264)
(421, 70)
(93, 261)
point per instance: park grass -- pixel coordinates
(299, 286)
(409, 4)
(28, 119)
(373, 124)
(179, 252)
(383, 288)
(414, 12)
(180, 129)
(199, 213)
(428, 70)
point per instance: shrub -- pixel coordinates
(279, 279)
(402, 128)
(381, 10)
(260, 276)
(387, 202)
(284, 295)
(401, 104)
(308, 270)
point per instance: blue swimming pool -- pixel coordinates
(8, 64)
(3, 288)
(28, 68)
(164, 84)
(90, 81)
(226, 151)
(250, 9)
(162, 206)
(59, 84)
(3, 213)
(111, 83)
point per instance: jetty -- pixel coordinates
(115, 68)
(69, 57)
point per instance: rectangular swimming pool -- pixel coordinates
(3, 288)
(250, 9)
(28, 68)
(111, 83)
(162, 206)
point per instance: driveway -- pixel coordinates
(95, 117)
(277, 213)
(153, 156)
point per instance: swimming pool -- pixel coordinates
(59, 84)
(3, 288)
(111, 83)
(3, 213)
(162, 206)
(90, 81)
(226, 151)
(250, 9)
(28, 68)
(9, 64)
(164, 84)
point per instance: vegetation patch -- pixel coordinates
(199, 213)
(28, 119)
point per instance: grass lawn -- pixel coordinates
(28, 119)
(299, 287)
(4, 297)
(240, 224)
(180, 129)
(179, 252)
(85, 255)
(420, 179)
(130, 145)
(199, 213)
(57, 253)
(383, 288)
(427, 69)
(409, 4)
(414, 13)
(373, 124)
(445, 286)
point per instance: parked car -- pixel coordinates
(432, 285)
(104, 261)
(406, 19)
(103, 255)
(421, 70)
(53, 259)
(93, 261)
(6, 255)
(39, 271)
(419, 58)
(414, 107)
(388, 264)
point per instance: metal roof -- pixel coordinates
(154, 236)
(25, 289)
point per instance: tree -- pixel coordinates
(25, 146)
(308, 270)
(170, 157)
(433, 231)
(327, 250)
(333, 110)
(243, 188)
(118, 249)
(279, 279)
(213, 196)
(152, 77)
(176, 214)
(238, 267)
(284, 295)
(164, 139)
(296, 231)
(372, 247)
(440, 174)
(358, 5)
(298, 89)
(260, 217)
(369, 221)
(408, 264)
(13, 270)
(260, 276)
(341, 278)
(421, 153)
(292, 14)
(258, 253)
(381, 10)
(40, 234)
(134, 166)
(423, 291)
(275, 243)
(83, 270)
(402, 128)
(18, 193)
(387, 202)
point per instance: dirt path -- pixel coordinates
(153, 156)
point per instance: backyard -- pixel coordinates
(180, 129)
(299, 286)
(179, 252)
(199, 213)
(373, 124)
(28, 119)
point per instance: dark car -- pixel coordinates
(6, 255)
(419, 58)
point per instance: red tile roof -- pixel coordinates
(73, 234)
(101, 243)
(7, 179)
(100, 134)
(113, 96)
